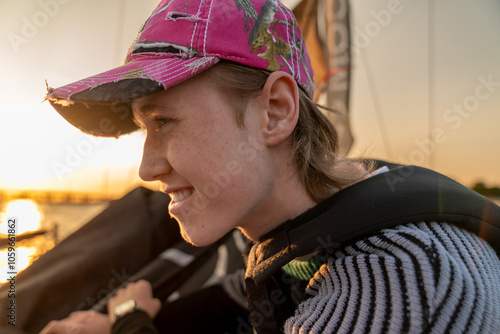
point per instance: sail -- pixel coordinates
(326, 29)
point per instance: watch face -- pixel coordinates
(124, 308)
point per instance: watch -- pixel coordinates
(125, 308)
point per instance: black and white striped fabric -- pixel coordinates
(416, 278)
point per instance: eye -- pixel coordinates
(161, 121)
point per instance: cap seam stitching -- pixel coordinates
(206, 29)
(196, 24)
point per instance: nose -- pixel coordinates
(154, 162)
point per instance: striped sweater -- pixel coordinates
(416, 278)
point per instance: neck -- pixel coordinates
(286, 200)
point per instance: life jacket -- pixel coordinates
(404, 194)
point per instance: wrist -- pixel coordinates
(124, 308)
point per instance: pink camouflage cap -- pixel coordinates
(180, 39)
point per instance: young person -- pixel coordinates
(223, 91)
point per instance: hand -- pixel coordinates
(142, 293)
(81, 322)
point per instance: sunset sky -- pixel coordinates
(63, 41)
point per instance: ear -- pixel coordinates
(280, 98)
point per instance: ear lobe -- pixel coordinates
(281, 100)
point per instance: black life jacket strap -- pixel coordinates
(401, 195)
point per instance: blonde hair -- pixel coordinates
(315, 141)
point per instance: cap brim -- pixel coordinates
(101, 105)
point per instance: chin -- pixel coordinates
(249, 235)
(197, 238)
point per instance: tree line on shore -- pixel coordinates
(484, 190)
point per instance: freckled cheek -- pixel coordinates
(208, 150)
(190, 157)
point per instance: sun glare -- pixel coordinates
(26, 213)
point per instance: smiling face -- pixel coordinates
(218, 174)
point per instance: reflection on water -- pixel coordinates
(24, 257)
(27, 214)
(36, 233)
(28, 246)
